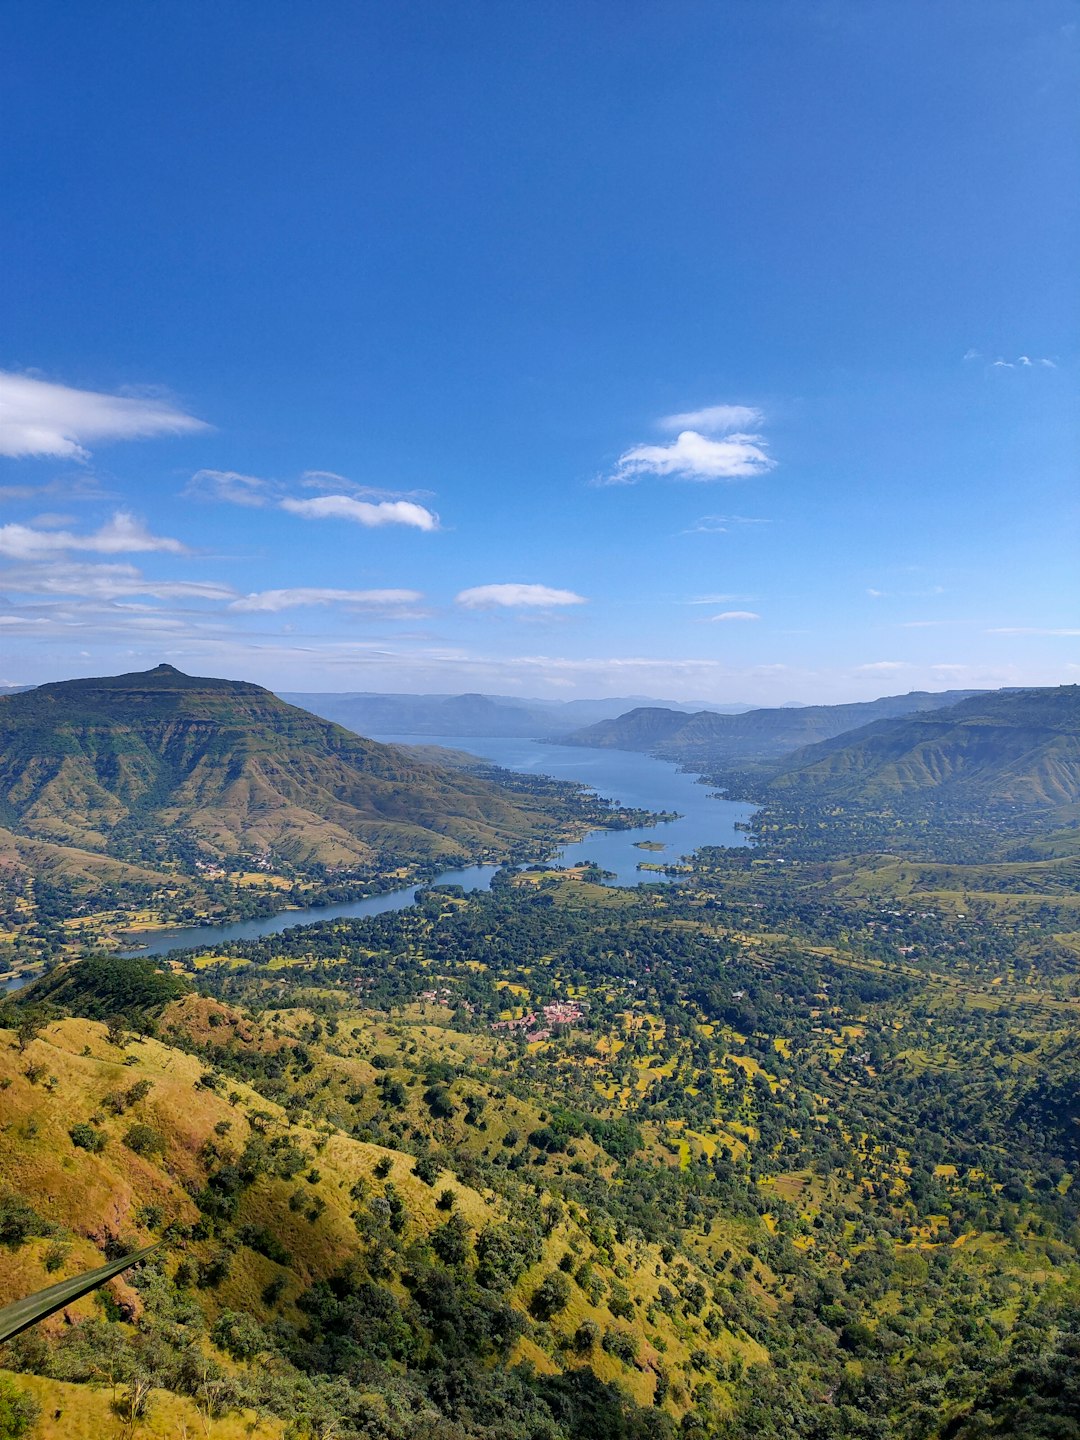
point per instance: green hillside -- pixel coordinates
(706, 739)
(227, 767)
(1016, 748)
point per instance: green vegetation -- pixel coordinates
(791, 1148)
(162, 798)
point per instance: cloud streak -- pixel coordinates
(122, 535)
(272, 601)
(488, 597)
(372, 514)
(715, 419)
(363, 505)
(40, 418)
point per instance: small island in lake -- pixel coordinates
(648, 845)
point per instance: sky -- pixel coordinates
(718, 350)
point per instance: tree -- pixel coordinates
(18, 1410)
(551, 1295)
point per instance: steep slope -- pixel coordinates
(758, 735)
(164, 765)
(1016, 748)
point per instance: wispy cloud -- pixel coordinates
(1025, 362)
(273, 601)
(230, 487)
(926, 594)
(123, 534)
(40, 418)
(486, 597)
(363, 512)
(715, 419)
(726, 615)
(724, 599)
(884, 665)
(77, 486)
(721, 524)
(715, 443)
(363, 505)
(82, 580)
(329, 481)
(1032, 630)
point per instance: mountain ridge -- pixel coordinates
(226, 767)
(1010, 747)
(756, 736)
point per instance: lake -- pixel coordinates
(621, 775)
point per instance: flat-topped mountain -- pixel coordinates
(128, 764)
(707, 738)
(1008, 747)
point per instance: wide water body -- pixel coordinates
(629, 779)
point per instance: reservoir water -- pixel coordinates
(620, 775)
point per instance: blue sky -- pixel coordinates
(701, 350)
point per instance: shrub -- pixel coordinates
(144, 1140)
(18, 1222)
(620, 1343)
(586, 1337)
(55, 1255)
(18, 1411)
(427, 1169)
(439, 1101)
(451, 1241)
(85, 1137)
(551, 1295)
(237, 1333)
(504, 1252)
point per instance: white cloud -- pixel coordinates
(1031, 630)
(363, 505)
(38, 417)
(122, 535)
(363, 512)
(1025, 362)
(736, 615)
(229, 486)
(275, 600)
(715, 419)
(105, 582)
(717, 599)
(484, 597)
(693, 456)
(884, 665)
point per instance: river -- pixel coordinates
(621, 775)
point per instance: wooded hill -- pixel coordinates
(708, 739)
(164, 766)
(1016, 748)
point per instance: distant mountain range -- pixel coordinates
(706, 739)
(490, 715)
(1017, 748)
(160, 767)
